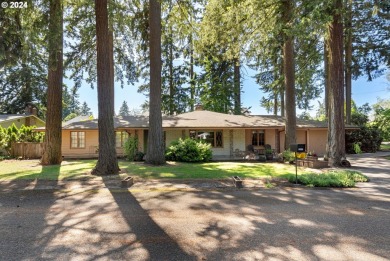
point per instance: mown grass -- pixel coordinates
(75, 169)
(80, 169)
(334, 178)
(31, 169)
(385, 146)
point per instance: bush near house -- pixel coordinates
(131, 150)
(23, 134)
(189, 150)
(369, 139)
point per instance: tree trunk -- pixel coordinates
(237, 87)
(289, 75)
(53, 138)
(155, 153)
(112, 72)
(107, 163)
(348, 62)
(326, 76)
(336, 127)
(282, 93)
(171, 84)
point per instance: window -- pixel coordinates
(77, 139)
(258, 138)
(120, 138)
(215, 138)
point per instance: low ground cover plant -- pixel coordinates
(334, 178)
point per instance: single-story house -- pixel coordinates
(227, 134)
(29, 118)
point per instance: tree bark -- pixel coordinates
(348, 62)
(326, 76)
(289, 74)
(107, 163)
(237, 87)
(336, 129)
(53, 138)
(155, 153)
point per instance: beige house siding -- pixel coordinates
(301, 137)
(317, 141)
(91, 144)
(238, 139)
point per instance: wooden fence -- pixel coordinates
(27, 150)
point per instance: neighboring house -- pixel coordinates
(228, 134)
(28, 119)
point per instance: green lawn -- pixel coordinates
(385, 146)
(76, 169)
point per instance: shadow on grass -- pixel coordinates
(211, 170)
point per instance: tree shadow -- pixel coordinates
(158, 244)
(22, 219)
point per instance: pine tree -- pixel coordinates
(124, 109)
(85, 110)
(155, 150)
(53, 135)
(107, 163)
(336, 129)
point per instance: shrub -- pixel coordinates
(288, 156)
(338, 178)
(131, 149)
(368, 138)
(189, 150)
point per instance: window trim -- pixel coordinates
(258, 132)
(78, 138)
(123, 138)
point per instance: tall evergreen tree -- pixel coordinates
(107, 163)
(155, 149)
(289, 72)
(124, 109)
(52, 145)
(85, 110)
(23, 58)
(336, 129)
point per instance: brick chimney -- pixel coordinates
(30, 109)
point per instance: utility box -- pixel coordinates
(298, 147)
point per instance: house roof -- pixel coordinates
(201, 119)
(12, 117)
(77, 119)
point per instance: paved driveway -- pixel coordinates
(181, 224)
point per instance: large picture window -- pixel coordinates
(120, 138)
(214, 137)
(258, 138)
(77, 139)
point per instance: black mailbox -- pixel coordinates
(298, 147)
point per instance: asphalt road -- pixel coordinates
(180, 224)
